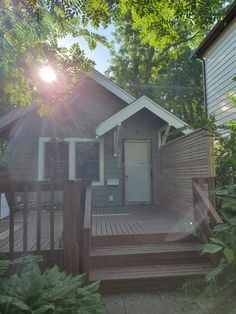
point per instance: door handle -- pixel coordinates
(126, 177)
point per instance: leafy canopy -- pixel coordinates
(29, 32)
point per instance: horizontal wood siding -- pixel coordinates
(181, 160)
(220, 68)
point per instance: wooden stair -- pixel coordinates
(134, 264)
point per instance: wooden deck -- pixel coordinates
(31, 231)
(113, 221)
(137, 220)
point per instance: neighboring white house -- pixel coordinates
(218, 53)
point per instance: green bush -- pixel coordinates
(224, 244)
(45, 292)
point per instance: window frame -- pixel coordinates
(72, 157)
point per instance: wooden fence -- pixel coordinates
(180, 160)
(36, 225)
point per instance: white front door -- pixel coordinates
(137, 171)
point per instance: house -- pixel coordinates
(136, 225)
(102, 134)
(217, 52)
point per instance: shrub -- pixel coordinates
(45, 292)
(224, 243)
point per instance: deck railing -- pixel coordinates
(35, 225)
(23, 227)
(205, 213)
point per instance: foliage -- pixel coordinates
(167, 24)
(223, 242)
(225, 154)
(29, 32)
(173, 81)
(51, 291)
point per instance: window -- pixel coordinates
(74, 158)
(56, 165)
(87, 161)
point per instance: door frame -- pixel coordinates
(149, 142)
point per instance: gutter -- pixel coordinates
(204, 84)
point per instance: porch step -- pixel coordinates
(146, 254)
(135, 277)
(139, 239)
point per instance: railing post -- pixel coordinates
(87, 232)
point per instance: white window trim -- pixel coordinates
(72, 162)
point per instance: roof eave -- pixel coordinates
(141, 103)
(215, 32)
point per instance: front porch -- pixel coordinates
(146, 220)
(129, 246)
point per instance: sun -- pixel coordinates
(47, 74)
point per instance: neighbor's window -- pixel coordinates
(87, 161)
(56, 161)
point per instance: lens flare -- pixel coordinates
(47, 74)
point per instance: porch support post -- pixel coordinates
(116, 139)
(163, 134)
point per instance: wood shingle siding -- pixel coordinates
(181, 160)
(220, 68)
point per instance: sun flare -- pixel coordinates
(47, 74)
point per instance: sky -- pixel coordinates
(100, 55)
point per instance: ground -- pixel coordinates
(180, 302)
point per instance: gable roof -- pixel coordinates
(137, 105)
(112, 87)
(13, 115)
(101, 79)
(215, 31)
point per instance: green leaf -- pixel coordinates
(211, 248)
(4, 299)
(232, 221)
(229, 254)
(221, 227)
(217, 241)
(44, 308)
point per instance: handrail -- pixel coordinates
(87, 231)
(204, 203)
(204, 212)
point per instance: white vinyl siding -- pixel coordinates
(220, 68)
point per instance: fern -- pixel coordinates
(51, 291)
(4, 266)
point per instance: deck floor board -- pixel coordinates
(107, 221)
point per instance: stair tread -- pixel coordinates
(144, 249)
(150, 271)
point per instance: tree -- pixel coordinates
(156, 40)
(172, 80)
(167, 24)
(29, 32)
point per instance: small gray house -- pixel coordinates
(136, 225)
(102, 134)
(217, 52)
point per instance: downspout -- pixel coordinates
(204, 83)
